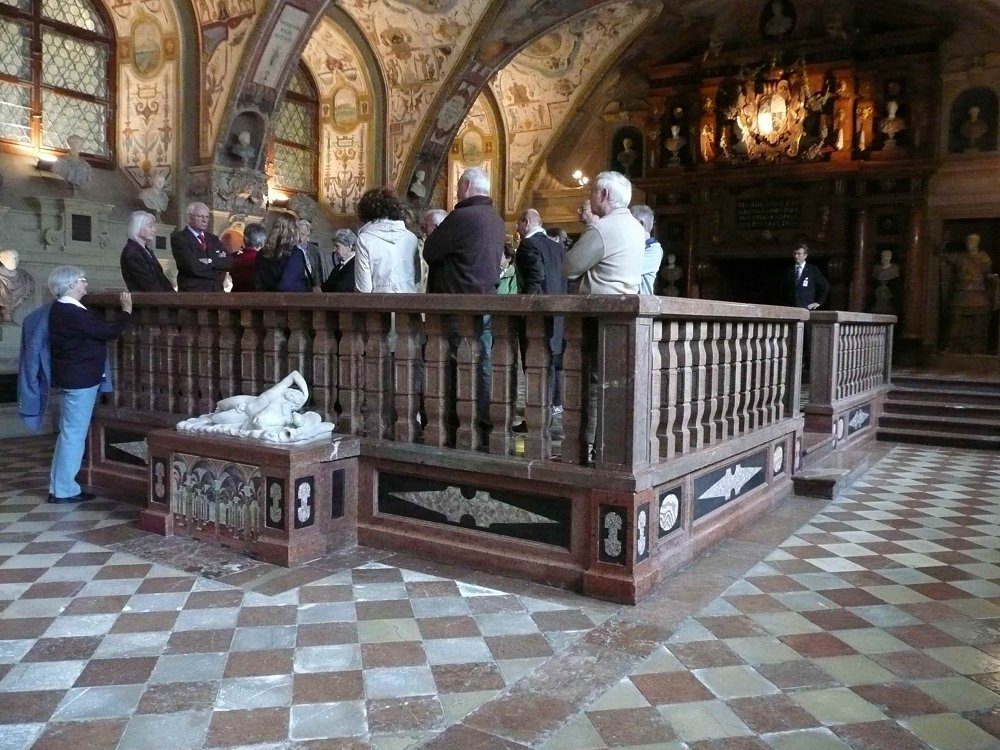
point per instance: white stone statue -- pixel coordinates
(417, 186)
(73, 167)
(243, 149)
(16, 285)
(273, 416)
(154, 197)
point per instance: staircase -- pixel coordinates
(939, 410)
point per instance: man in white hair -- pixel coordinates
(607, 259)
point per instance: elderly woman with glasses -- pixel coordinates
(78, 343)
(341, 278)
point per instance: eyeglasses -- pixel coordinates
(81, 279)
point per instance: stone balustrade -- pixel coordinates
(694, 403)
(851, 365)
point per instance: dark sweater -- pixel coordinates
(78, 340)
(464, 252)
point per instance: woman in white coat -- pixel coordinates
(386, 256)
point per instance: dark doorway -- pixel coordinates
(761, 281)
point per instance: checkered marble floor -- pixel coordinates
(870, 623)
(875, 626)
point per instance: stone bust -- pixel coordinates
(16, 284)
(72, 167)
(154, 196)
(243, 149)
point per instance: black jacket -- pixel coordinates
(341, 279)
(463, 254)
(192, 274)
(811, 287)
(538, 261)
(78, 340)
(141, 270)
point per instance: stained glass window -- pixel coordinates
(56, 59)
(295, 135)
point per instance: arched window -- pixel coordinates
(56, 74)
(295, 127)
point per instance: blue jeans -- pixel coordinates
(74, 421)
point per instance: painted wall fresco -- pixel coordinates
(418, 43)
(547, 80)
(148, 68)
(347, 127)
(224, 28)
(476, 145)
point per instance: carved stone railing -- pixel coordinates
(851, 365)
(674, 376)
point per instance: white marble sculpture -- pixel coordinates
(72, 167)
(272, 417)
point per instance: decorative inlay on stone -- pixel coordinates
(213, 491)
(642, 533)
(275, 504)
(159, 472)
(125, 447)
(778, 459)
(669, 511)
(529, 517)
(725, 484)
(305, 502)
(612, 535)
(860, 418)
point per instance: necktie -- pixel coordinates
(798, 272)
(201, 241)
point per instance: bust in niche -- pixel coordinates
(671, 273)
(973, 129)
(73, 167)
(885, 273)
(892, 124)
(778, 20)
(675, 143)
(627, 157)
(243, 149)
(154, 196)
(417, 187)
(16, 284)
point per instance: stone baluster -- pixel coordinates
(724, 387)
(207, 360)
(467, 360)
(275, 345)
(229, 353)
(324, 364)
(685, 387)
(251, 352)
(438, 382)
(350, 377)
(699, 388)
(503, 391)
(741, 379)
(574, 390)
(669, 386)
(128, 365)
(165, 378)
(377, 365)
(407, 376)
(185, 351)
(537, 389)
(655, 378)
(146, 319)
(299, 352)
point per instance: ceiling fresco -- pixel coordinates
(551, 77)
(418, 44)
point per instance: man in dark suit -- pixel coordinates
(539, 261)
(201, 258)
(140, 268)
(808, 285)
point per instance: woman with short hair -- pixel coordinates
(78, 342)
(141, 270)
(341, 278)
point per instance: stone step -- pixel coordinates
(937, 437)
(900, 406)
(834, 473)
(945, 396)
(942, 423)
(815, 447)
(949, 386)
